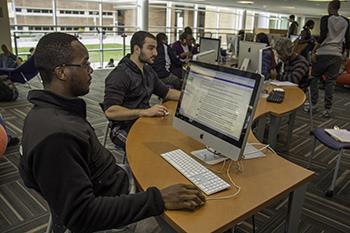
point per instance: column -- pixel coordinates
(168, 21)
(54, 14)
(5, 35)
(142, 14)
(195, 21)
(244, 19)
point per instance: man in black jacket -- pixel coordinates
(166, 64)
(63, 159)
(129, 87)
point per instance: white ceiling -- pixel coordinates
(297, 7)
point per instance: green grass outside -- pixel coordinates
(94, 55)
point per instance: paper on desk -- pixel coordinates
(342, 135)
(283, 83)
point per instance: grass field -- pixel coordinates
(94, 55)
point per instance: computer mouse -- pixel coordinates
(278, 89)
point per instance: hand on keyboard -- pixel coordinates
(182, 196)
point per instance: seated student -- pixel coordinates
(166, 64)
(268, 58)
(65, 162)
(296, 67)
(129, 87)
(7, 59)
(110, 63)
(183, 47)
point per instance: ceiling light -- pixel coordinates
(246, 2)
(324, 0)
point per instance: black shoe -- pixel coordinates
(13, 141)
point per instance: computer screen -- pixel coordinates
(207, 44)
(232, 41)
(206, 57)
(293, 37)
(265, 62)
(250, 50)
(217, 106)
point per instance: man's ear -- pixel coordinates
(59, 73)
(137, 49)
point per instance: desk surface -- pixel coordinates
(263, 180)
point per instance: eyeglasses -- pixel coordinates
(86, 65)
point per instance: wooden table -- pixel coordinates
(263, 181)
(294, 98)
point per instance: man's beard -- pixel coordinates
(143, 59)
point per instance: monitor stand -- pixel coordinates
(207, 156)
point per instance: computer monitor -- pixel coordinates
(217, 106)
(232, 41)
(250, 50)
(207, 44)
(206, 57)
(265, 62)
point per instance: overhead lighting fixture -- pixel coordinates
(246, 2)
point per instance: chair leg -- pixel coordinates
(106, 135)
(312, 152)
(310, 109)
(329, 192)
(49, 225)
(25, 79)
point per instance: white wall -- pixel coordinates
(5, 36)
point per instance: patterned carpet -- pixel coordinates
(22, 210)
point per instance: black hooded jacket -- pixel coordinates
(64, 161)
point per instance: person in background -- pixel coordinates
(31, 52)
(183, 47)
(296, 68)
(328, 53)
(65, 162)
(307, 39)
(268, 57)
(167, 65)
(129, 87)
(7, 59)
(110, 63)
(293, 28)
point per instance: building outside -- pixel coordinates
(100, 24)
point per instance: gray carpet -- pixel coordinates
(22, 210)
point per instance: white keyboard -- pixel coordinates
(199, 175)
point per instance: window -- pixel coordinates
(18, 9)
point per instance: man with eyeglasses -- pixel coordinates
(63, 159)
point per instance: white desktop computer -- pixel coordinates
(217, 106)
(248, 58)
(207, 44)
(206, 57)
(263, 63)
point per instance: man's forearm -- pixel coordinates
(119, 113)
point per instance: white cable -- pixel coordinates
(236, 186)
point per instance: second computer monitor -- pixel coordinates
(207, 44)
(250, 51)
(217, 106)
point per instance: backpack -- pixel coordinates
(8, 91)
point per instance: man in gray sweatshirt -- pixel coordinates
(334, 38)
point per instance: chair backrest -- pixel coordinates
(24, 72)
(347, 68)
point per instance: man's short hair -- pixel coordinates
(53, 49)
(335, 4)
(139, 39)
(284, 46)
(292, 17)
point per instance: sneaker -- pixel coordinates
(326, 113)
(306, 107)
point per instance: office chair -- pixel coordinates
(107, 128)
(323, 137)
(23, 73)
